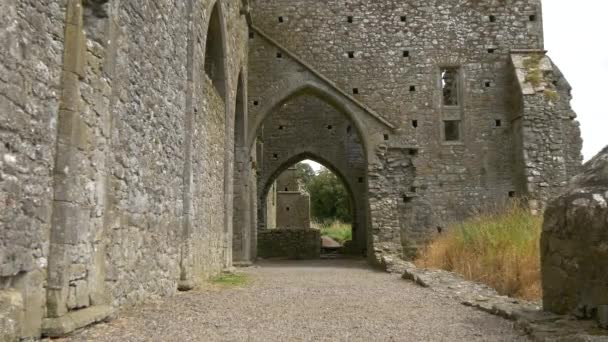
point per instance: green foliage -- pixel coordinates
(231, 279)
(532, 65)
(305, 173)
(337, 230)
(329, 199)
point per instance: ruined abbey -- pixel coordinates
(140, 139)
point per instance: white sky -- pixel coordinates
(576, 36)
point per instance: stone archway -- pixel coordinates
(305, 125)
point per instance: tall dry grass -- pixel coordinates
(336, 229)
(499, 248)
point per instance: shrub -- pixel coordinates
(499, 248)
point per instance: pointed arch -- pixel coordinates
(216, 51)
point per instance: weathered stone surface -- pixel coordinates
(575, 244)
(55, 327)
(11, 315)
(289, 243)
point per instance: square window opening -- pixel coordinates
(351, 54)
(492, 18)
(406, 53)
(403, 18)
(349, 19)
(412, 88)
(355, 91)
(279, 55)
(451, 130)
(330, 127)
(255, 103)
(532, 17)
(488, 84)
(450, 79)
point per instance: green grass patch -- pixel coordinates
(337, 230)
(231, 280)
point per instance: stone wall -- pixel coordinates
(118, 151)
(289, 243)
(574, 245)
(293, 210)
(389, 58)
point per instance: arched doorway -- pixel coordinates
(308, 126)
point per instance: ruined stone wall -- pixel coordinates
(293, 210)
(117, 153)
(574, 245)
(389, 56)
(289, 243)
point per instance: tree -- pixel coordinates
(305, 173)
(329, 199)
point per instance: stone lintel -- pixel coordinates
(56, 327)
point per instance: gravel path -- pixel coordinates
(338, 300)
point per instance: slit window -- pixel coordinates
(451, 130)
(415, 123)
(281, 19)
(449, 86)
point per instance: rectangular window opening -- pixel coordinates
(403, 18)
(355, 91)
(280, 19)
(386, 137)
(251, 35)
(492, 18)
(351, 54)
(406, 53)
(491, 50)
(279, 55)
(532, 17)
(449, 84)
(349, 19)
(412, 88)
(360, 179)
(451, 130)
(488, 84)
(415, 123)
(498, 123)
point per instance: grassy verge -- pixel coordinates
(231, 280)
(500, 249)
(336, 230)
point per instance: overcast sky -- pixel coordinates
(576, 35)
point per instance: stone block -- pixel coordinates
(602, 316)
(11, 315)
(56, 327)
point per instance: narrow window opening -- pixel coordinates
(330, 127)
(355, 91)
(451, 130)
(349, 19)
(491, 50)
(449, 85)
(281, 128)
(280, 19)
(351, 54)
(492, 18)
(386, 137)
(286, 189)
(275, 156)
(511, 194)
(532, 17)
(415, 123)
(488, 84)
(498, 123)
(403, 18)
(279, 55)
(406, 199)
(255, 103)
(413, 152)
(406, 53)
(412, 88)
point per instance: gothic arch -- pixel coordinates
(215, 63)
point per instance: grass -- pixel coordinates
(337, 230)
(231, 280)
(500, 249)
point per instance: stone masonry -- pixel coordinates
(575, 246)
(139, 139)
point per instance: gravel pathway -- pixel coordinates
(337, 300)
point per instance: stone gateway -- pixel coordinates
(140, 139)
